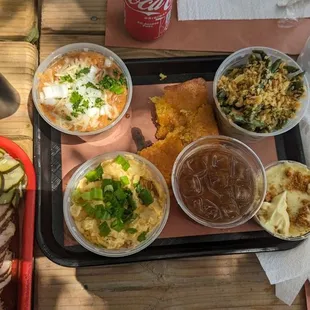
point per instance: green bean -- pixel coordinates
(296, 86)
(298, 76)
(221, 94)
(261, 53)
(275, 66)
(252, 58)
(291, 69)
(226, 110)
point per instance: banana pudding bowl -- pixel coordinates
(285, 212)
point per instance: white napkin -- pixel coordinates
(241, 9)
(288, 270)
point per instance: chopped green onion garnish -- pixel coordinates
(106, 182)
(131, 230)
(89, 209)
(94, 175)
(124, 180)
(108, 188)
(86, 196)
(99, 211)
(120, 194)
(145, 196)
(96, 193)
(106, 215)
(117, 225)
(123, 162)
(142, 236)
(104, 229)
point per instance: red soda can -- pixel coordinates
(147, 20)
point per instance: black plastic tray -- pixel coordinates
(47, 159)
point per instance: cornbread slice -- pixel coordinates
(183, 116)
(200, 123)
(185, 105)
(168, 118)
(163, 153)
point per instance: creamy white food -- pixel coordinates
(286, 210)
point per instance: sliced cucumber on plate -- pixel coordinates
(12, 179)
(6, 198)
(7, 164)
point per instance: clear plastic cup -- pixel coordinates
(227, 126)
(72, 184)
(236, 147)
(83, 47)
(297, 238)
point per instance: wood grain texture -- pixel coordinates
(50, 42)
(18, 61)
(17, 18)
(73, 16)
(223, 282)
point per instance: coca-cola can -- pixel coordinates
(147, 20)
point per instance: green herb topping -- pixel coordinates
(123, 162)
(94, 175)
(82, 72)
(114, 85)
(66, 78)
(142, 236)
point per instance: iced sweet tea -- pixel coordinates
(217, 184)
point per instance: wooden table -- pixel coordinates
(222, 282)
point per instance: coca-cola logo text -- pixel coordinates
(149, 7)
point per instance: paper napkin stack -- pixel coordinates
(242, 9)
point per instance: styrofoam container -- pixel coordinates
(79, 174)
(83, 47)
(227, 126)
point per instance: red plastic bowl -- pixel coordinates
(27, 234)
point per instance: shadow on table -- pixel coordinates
(222, 282)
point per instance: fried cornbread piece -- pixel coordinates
(168, 118)
(180, 106)
(163, 153)
(200, 123)
(183, 116)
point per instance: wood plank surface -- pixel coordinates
(73, 16)
(50, 42)
(18, 62)
(222, 282)
(17, 19)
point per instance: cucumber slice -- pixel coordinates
(6, 198)
(7, 164)
(16, 199)
(12, 178)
